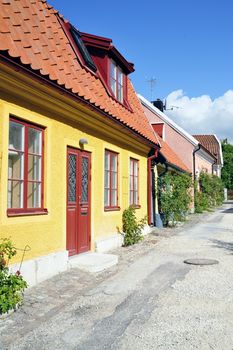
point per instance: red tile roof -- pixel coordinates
(31, 31)
(211, 144)
(171, 157)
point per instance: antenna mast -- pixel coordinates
(152, 82)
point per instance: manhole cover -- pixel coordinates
(201, 261)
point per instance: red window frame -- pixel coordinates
(110, 205)
(134, 178)
(25, 210)
(116, 79)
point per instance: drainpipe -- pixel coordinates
(194, 161)
(149, 187)
(215, 162)
(194, 169)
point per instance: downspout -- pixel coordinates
(194, 171)
(215, 162)
(149, 187)
(194, 161)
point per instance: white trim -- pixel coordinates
(167, 120)
(220, 148)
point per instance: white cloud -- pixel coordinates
(202, 115)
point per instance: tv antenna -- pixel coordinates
(152, 82)
(171, 108)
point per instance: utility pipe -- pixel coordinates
(149, 187)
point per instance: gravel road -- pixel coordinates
(151, 300)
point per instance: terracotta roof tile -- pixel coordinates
(211, 144)
(171, 156)
(31, 31)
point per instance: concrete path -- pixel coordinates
(151, 300)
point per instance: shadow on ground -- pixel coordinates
(228, 211)
(223, 245)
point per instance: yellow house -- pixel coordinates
(74, 140)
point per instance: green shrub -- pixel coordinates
(210, 194)
(174, 197)
(132, 227)
(11, 285)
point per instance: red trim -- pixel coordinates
(27, 213)
(134, 178)
(106, 44)
(25, 210)
(112, 208)
(110, 189)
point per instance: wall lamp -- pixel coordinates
(83, 142)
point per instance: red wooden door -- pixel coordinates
(78, 201)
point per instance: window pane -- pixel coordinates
(107, 161)
(34, 195)
(106, 179)
(131, 198)
(135, 183)
(34, 167)
(15, 165)
(71, 177)
(113, 70)
(135, 168)
(131, 167)
(114, 180)
(113, 85)
(16, 136)
(120, 76)
(114, 197)
(131, 183)
(135, 197)
(15, 194)
(106, 197)
(114, 162)
(84, 179)
(34, 141)
(120, 93)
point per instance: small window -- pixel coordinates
(83, 50)
(133, 185)
(117, 81)
(25, 167)
(111, 180)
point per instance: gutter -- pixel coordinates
(63, 91)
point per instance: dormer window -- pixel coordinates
(83, 50)
(116, 81)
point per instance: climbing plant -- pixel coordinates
(174, 196)
(209, 192)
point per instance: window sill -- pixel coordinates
(27, 213)
(112, 208)
(135, 206)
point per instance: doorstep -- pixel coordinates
(93, 262)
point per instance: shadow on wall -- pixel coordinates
(223, 245)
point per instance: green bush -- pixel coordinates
(132, 227)
(174, 197)
(210, 194)
(11, 285)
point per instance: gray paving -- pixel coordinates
(150, 300)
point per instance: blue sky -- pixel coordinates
(186, 45)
